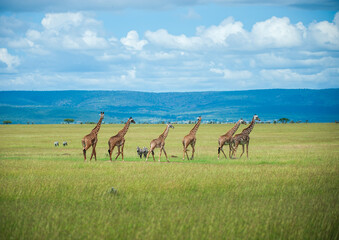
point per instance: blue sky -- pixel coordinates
(161, 46)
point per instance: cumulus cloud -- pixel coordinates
(62, 21)
(162, 38)
(219, 35)
(326, 34)
(69, 31)
(8, 59)
(277, 32)
(213, 36)
(131, 41)
(225, 56)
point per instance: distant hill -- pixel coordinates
(85, 106)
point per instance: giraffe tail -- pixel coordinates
(219, 150)
(83, 143)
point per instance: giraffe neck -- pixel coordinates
(123, 131)
(249, 129)
(97, 127)
(234, 128)
(195, 128)
(165, 133)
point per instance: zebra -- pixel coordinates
(142, 151)
(145, 151)
(139, 151)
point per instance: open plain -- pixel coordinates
(287, 189)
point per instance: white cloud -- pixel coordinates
(162, 38)
(62, 21)
(69, 31)
(224, 56)
(288, 75)
(155, 56)
(222, 35)
(218, 35)
(92, 41)
(131, 41)
(8, 59)
(325, 34)
(229, 74)
(277, 32)
(131, 75)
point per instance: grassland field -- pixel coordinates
(287, 189)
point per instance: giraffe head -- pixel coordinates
(199, 118)
(255, 117)
(102, 115)
(170, 125)
(242, 121)
(131, 120)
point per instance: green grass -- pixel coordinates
(287, 189)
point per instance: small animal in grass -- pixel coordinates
(139, 151)
(113, 191)
(64, 144)
(142, 151)
(56, 144)
(145, 151)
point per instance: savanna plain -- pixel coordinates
(287, 189)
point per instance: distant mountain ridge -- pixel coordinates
(227, 106)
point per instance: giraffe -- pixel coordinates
(243, 138)
(159, 143)
(92, 139)
(190, 139)
(119, 141)
(225, 139)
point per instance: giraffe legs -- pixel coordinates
(234, 149)
(185, 151)
(122, 151)
(193, 150)
(118, 153)
(93, 150)
(243, 150)
(153, 155)
(95, 153)
(247, 149)
(231, 151)
(111, 152)
(163, 149)
(165, 154)
(86, 147)
(149, 152)
(160, 153)
(222, 150)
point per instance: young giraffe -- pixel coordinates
(190, 139)
(119, 141)
(225, 139)
(92, 139)
(159, 143)
(243, 138)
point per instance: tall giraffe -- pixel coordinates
(243, 138)
(159, 143)
(226, 138)
(119, 141)
(190, 139)
(92, 139)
